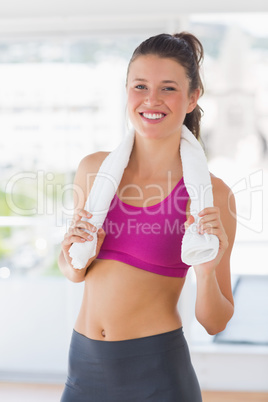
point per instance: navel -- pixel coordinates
(103, 333)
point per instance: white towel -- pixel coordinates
(100, 197)
(196, 248)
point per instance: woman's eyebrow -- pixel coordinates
(169, 82)
(140, 79)
(163, 82)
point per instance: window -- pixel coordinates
(235, 133)
(59, 102)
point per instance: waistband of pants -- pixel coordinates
(130, 347)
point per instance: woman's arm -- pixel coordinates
(214, 301)
(82, 185)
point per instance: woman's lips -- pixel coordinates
(152, 117)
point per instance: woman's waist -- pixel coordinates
(116, 318)
(132, 347)
(112, 328)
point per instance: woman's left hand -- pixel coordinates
(210, 222)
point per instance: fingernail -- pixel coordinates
(90, 237)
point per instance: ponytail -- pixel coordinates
(192, 120)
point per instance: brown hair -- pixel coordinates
(187, 50)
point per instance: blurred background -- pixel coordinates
(62, 96)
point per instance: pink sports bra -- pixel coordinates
(149, 237)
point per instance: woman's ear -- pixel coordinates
(193, 99)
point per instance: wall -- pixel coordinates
(65, 8)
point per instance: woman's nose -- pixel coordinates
(153, 98)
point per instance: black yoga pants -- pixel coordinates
(155, 368)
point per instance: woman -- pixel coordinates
(128, 344)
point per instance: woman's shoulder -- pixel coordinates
(222, 193)
(218, 184)
(91, 163)
(87, 171)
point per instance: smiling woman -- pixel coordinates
(58, 104)
(187, 58)
(128, 343)
(161, 95)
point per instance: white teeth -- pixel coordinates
(153, 116)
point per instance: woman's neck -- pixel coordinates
(151, 158)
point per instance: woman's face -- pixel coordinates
(158, 96)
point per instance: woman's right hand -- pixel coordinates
(77, 234)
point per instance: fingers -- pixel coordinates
(210, 222)
(189, 222)
(78, 223)
(70, 239)
(208, 226)
(77, 235)
(82, 213)
(80, 230)
(210, 210)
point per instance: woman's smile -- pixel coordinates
(153, 117)
(158, 96)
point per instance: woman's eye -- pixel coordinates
(169, 89)
(140, 86)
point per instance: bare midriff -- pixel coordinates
(124, 302)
